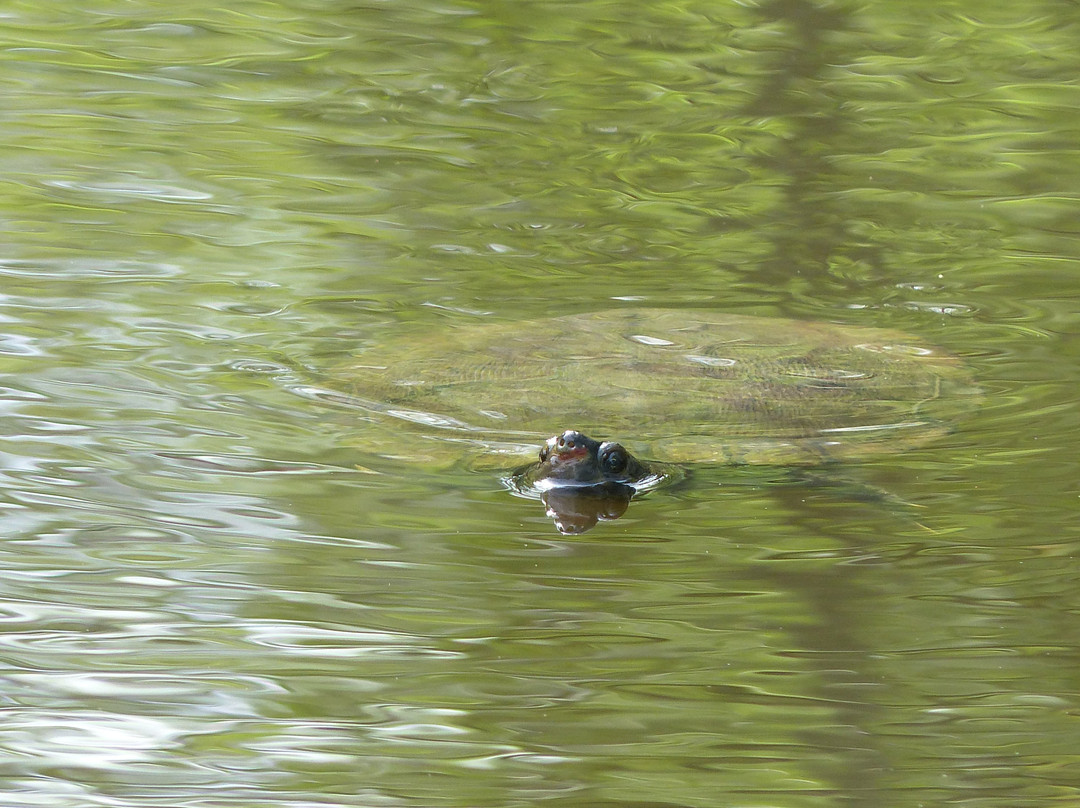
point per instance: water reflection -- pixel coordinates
(576, 510)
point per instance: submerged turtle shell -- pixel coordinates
(673, 385)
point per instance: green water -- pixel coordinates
(215, 592)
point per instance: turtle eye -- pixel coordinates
(612, 458)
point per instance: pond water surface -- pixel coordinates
(216, 591)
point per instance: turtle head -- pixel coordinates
(582, 481)
(575, 459)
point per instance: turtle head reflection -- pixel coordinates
(577, 509)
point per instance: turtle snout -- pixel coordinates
(570, 440)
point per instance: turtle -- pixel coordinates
(635, 393)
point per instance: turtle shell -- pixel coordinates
(675, 385)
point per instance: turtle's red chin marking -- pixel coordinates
(570, 454)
